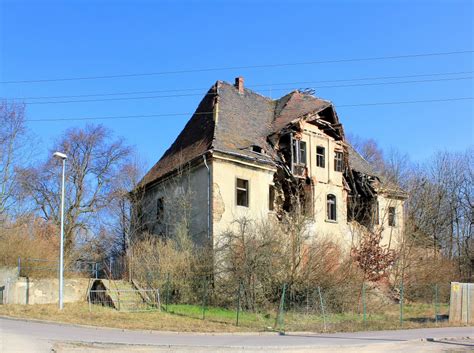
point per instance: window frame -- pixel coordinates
(247, 192)
(321, 157)
(376, 214)
(338, 162)
(298, 152)
(271, 197)
(392, 216)
(160, 210)
(331, 208)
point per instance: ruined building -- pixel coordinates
(245, 155)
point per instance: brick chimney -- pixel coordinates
(239, 84)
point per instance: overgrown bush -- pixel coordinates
(27, 239)
(262, 257)
(172, 265)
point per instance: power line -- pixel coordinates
(257, 85)
(269, 89)
(406, 102)
(438, 100)
(368, 78)
(317, 62)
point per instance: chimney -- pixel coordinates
(239, 84)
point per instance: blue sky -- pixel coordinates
(62, 39)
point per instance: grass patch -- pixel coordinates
(189, 318)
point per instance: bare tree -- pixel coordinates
(12, 133)
(94, 161)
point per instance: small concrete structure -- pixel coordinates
(461, 307)
(24, 290)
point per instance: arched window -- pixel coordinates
(331, 207)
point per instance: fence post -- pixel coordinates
(89, 297)
(167, 299)
(158, 301)
(110, 268)
(401, 303)
(468, 311)
(322, 307)
(436, 303)
(238, 303)
(19, 266)
(364, 305)
(204, 297)
(281, 310)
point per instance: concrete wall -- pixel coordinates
(42, 291)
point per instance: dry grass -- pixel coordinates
(188, 319)
(78, 313)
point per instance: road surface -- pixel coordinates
(18, 335)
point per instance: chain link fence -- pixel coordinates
(291, 308)
(320, 308)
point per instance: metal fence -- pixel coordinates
(319, 307)
(41, 268)
(316, 308)
(131, 300)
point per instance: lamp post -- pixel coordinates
(63, 157)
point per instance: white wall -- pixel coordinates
(225, 208)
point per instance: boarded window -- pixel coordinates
(271, 197)
(242, 191)
(331, 207)
(160, 210)
(320, 156)
(391, 217)
(338, 161)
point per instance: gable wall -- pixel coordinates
(189, 191)
(225, 208)
(326, 181)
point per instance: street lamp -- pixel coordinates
(63, 157)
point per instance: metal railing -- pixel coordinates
(130, 300)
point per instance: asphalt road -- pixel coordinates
(31, 336)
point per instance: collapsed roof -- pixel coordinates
(231, 119)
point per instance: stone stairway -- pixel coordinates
(122, 294)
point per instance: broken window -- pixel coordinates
(159, 210)
(298, 157)
(320, 156)
(257, 149)
(271, 198)
(391, 217)
(331, 207)
(242, 191)
(338, 161)
(376, 213)
(299, 152)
